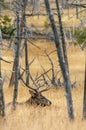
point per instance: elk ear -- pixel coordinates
(32, 93)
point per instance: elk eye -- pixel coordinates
(44, 105)
(49, 103)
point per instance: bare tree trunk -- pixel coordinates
(26, 49)
(63, 3)
(12, 79)
(17, 55)
(0, 68)
(62, 34)
(0, 9)
(84, 99)
(77, 15)
(22, 28)
(26, 46)
(2, 104)
(53, 78)
(63, 66)
(26, 62)
(0, 49)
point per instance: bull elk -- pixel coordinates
(38, 99)
(36, 94)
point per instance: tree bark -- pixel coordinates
(17, 55)
(77, 15)
(25, 42)
(63, 66)
(12, 79)
(62, 34)
(22, 26)
(26, 62)
(84, 98)
(0, 49)
(2, 104)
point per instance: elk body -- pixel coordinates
(36, 94)
(38, 99)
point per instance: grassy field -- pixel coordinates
(54, 117)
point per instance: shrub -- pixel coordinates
(2, 0)
(80, 35)
(46, 24)
(5, 25)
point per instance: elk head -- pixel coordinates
(38, 99)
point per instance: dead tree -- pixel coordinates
(25, 41)
(62, 61)
(62, 34)
(84, 99)
(23, 29)
(17, 55)
(2, 104)
(54, 80)
(77, 15)
(44, 76)
(0, 8)
(12, 79)
(0, 49)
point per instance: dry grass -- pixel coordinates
(54, 117)
(47, 118)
